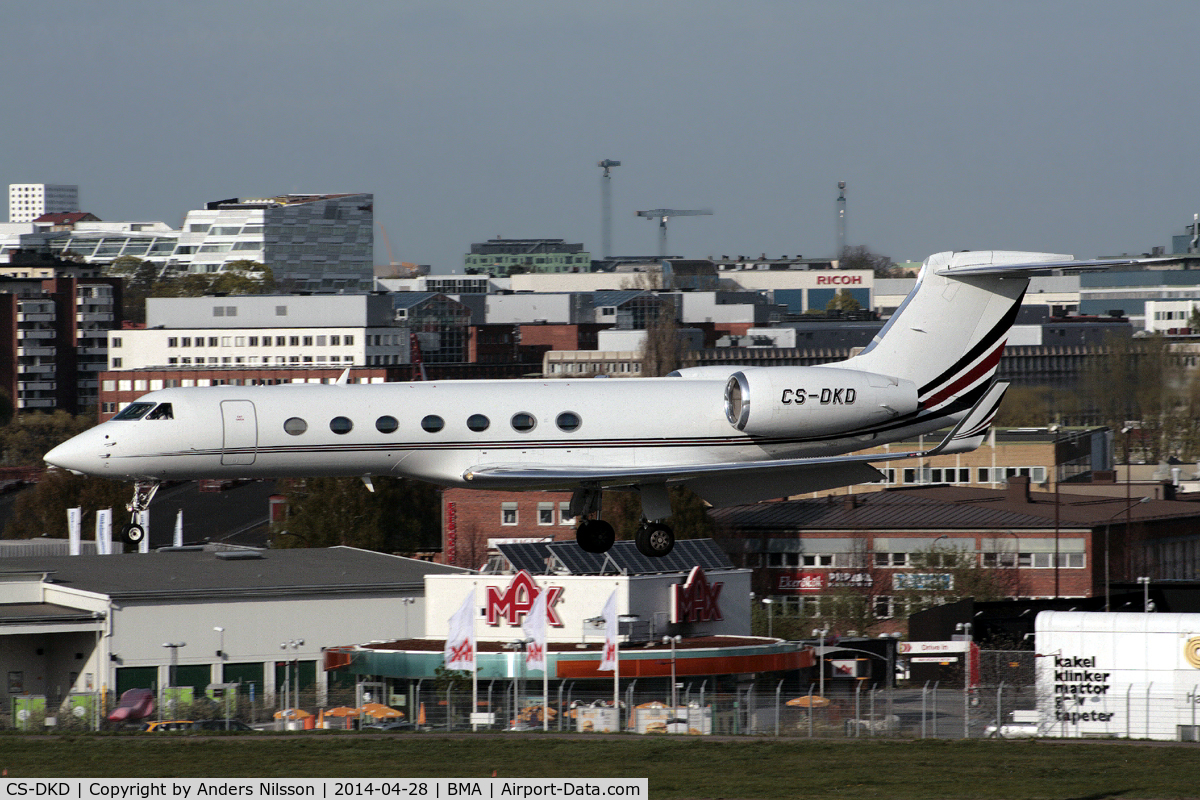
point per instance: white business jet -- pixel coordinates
(730, 435)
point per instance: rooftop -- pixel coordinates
(198, 573)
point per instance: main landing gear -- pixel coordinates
(143, 493)
(654, 539)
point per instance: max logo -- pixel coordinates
(514, 603)
(696, 600)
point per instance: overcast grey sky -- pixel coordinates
(1060, 126)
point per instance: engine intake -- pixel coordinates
(778, 401)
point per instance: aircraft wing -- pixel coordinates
(726, 483)
(1033, 267)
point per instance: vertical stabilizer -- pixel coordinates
(948, 334)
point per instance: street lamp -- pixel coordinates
(770, 604)
(672, 640)
(1145, 582)
(1107, 531)
(965, 629)
(294, 644)
(174, 664)
(819, 634)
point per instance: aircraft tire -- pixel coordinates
(654, 539)
(132, 533)
(595, 535)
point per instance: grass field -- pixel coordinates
(676, 768)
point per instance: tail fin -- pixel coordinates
(948, 334)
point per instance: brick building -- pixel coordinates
(474, 521)
(905, 549)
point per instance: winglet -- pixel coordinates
(971, 430)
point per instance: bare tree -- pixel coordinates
(860, 257)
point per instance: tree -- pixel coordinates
(28, 437)
(663, 351)
(42, 510)
(843, 301)
(860, 257)
(400, 516)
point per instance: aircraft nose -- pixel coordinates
(75, 455)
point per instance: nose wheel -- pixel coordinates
(143, 493)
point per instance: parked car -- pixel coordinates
(395, 725)
(169, 725)
(220, 725)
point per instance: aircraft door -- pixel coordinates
(241, 432)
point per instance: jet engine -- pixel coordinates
(779, 401)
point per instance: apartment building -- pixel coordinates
(28, 201)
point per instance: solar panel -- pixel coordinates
(528, 556)
(687, 553)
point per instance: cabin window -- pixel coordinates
(295, 426)
(386, 424)
(340, 425)
(162, 412)
(523, 422)
(568, 421)
(134, 411)
(432, 423)
(478, 422)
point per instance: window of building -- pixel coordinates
(349, 340)
(281, 311)
(115, 341)
(172, 341)
(116, 363)
(508, 513)
(335, 341)
(545, 513)
(564, 514)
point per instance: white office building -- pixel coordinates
(310, 241)
(263, 331)
(28, 201)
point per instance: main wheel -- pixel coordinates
(654, 539)
(133, 533)
(595, 535)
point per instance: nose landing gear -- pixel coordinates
(143, 493)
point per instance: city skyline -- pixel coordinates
(1057, 127)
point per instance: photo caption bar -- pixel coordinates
(204, 788)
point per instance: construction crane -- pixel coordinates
(662, 215)
(606, 207)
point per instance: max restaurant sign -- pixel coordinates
(693, 600)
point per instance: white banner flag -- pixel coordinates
(609, 662)
(177, 541)
(104, 532)
(534, 628)
(143, 519)
(460, 643)
(74, 531)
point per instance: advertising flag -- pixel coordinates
(609, 662)
(74, 531)
(535, 629)
(177, 539)
(460, 642)
(104, 532)
(143, 519)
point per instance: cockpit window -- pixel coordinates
(162, 412)
(134, 411)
